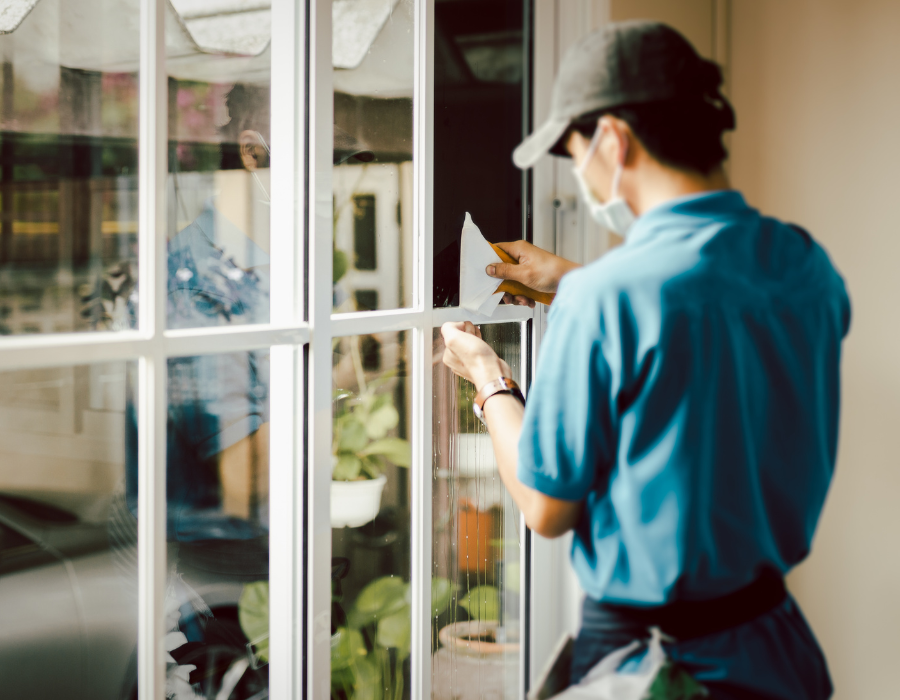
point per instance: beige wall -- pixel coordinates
(816, 86)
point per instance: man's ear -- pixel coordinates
(617, 148)
(253, 151)
(576, 145)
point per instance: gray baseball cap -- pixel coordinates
(623, 64)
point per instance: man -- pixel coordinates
(683, 417)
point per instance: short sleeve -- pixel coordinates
(567, 433)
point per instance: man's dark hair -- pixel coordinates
(683, 134)
(248, 108)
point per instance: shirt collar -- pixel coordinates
(712, 206)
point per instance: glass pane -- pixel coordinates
(68, 165)
(217, 490)
(476, 535)
(219, 68)
(479, 72)
(373, 90)
(68, 534)
(370, 517)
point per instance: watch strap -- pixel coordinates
(502, 385)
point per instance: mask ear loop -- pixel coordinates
(592, 148)
(620, 170)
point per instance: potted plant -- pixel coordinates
(361, 448)
(478, 658)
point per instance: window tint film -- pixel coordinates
(479, 74)
(372, 49)
(68, 166)
(68, 533)
(370, 518)
(217, 524)
(220, 146)
(476, 533)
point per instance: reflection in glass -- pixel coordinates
(68, 165)
(68, 561)
(370, 517)
(478, 97)
(219, 151)
(372, 52)
(217, 508)
(475, 571)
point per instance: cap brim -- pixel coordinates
(539, 143)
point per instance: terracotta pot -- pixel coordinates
(470, 667)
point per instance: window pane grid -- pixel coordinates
(152, 345)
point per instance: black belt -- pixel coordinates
(688, 619)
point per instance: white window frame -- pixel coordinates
(299, 335)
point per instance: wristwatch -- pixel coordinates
(503, 385)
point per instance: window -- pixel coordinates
(226, 250)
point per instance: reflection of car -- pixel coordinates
(68, 603)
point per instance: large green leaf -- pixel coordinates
(347, 468)
(383, 597)
(380, 420)
(394, 450)
(441, 594)
(253, 615)
(353, 436)
(482, 603)
(394, 631)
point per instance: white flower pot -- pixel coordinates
(355, 503)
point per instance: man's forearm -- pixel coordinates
(547, 516)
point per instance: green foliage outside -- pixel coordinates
(367, 655)
(361, 445)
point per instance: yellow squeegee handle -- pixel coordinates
(517, 288)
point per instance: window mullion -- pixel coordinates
(287, 336)
(423, 281)
(502, 314)
(152, 154)
(320, 109)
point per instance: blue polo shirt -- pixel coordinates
(688, 392)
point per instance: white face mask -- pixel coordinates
(615, 215)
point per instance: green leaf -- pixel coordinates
(253, 616)
(394, 450)
(339, 265)
(381, 380)
(369, 685)
(441, 594)
(350, 647)
(394, 631)
(371, 467)
(353, 436)
(482, 603)
(383, 597)
(380, 420)
(347, 468)
(673, 682)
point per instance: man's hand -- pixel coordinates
(469, 356)
(534, 268)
